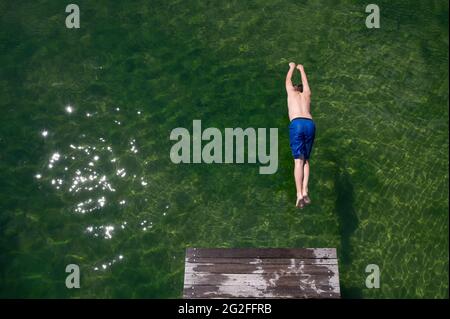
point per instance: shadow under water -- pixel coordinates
(345, 211)
(347, 221)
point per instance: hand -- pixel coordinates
(292, 65)
(300, 67)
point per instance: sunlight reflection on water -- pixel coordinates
(87, 174)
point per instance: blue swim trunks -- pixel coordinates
(302, 131)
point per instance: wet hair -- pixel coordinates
(299, 87)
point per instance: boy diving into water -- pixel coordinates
(301, 131)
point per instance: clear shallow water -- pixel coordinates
(112, 201)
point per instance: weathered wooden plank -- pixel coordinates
(264, 261)
(261, 273)
(300, 253)
(260, 269)
(266, 280)
(209, 291)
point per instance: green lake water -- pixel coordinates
(86, 114)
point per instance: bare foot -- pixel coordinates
(306, 199)
(300, 202)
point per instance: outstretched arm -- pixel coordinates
(289, 85)
(306, 88)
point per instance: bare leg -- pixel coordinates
(305, 182)
(305, 178)
(298, 175)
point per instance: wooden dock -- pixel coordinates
(261, 273)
